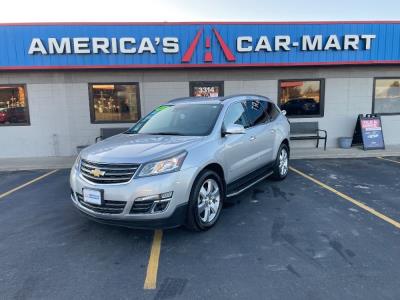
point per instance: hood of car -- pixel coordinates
(137, 148)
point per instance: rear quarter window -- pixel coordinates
(271, 110)
(255, 112)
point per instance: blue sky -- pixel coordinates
(196, 10)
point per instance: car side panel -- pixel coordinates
(240, 156)
(213, 149)
(282, 131)
(264, 146)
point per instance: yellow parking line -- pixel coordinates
(26, 184)
(150, 282)
(348, 198)
(392, 160)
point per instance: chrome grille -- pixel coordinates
(108, 207)
(110, 173)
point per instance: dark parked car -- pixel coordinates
(301, 106)
(12, 115)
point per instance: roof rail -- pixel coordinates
(177, 99)
(217, 98)
(243, 95)
(194, 98)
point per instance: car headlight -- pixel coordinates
(168, 165)
(77, 163)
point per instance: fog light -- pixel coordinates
(151, 204)
(160, 206)
(166, 195)
(155, 197)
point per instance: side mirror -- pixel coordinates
(283, 112)
(234, 129)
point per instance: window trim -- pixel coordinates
(321, 100)
(28, 117)
(219, 83)
(373, 97)
(91, 104)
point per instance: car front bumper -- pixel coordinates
(128, 193)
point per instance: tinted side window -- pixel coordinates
(387, 96)
(255, 112)
(271, 110)
(13, 105)
(114, 102)
(302, 98)
(235, 115)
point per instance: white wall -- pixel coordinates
(60, 121)
(156, 93)
(345, 99)
(259, 87)
(60, 116)
(391, 127)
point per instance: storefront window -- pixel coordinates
(114, 102)
(301, 98)
(387, 96)
(13, 105)
(206, 89)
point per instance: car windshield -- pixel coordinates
(179, 119)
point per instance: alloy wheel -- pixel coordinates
(283, 162)
(208, 201)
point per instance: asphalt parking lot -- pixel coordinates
(329, 231)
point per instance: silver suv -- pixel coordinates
(181, 162)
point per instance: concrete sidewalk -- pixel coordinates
(52, 162)
(354, 152)
(35, 163)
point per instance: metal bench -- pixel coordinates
(308, 131)
(109, 132)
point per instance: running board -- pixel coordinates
(242, 189)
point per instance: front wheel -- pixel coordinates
(205, 201)
(281, 166)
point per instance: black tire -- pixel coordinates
(278, 173)
(194, 219)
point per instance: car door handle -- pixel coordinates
(252, 138)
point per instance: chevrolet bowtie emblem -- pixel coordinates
(97, 173)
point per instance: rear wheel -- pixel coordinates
(205, 201)
(281, 166)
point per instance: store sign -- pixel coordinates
(372, 133)
(172, 45)
(369, 133)
(128, 45)
(97, 45)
